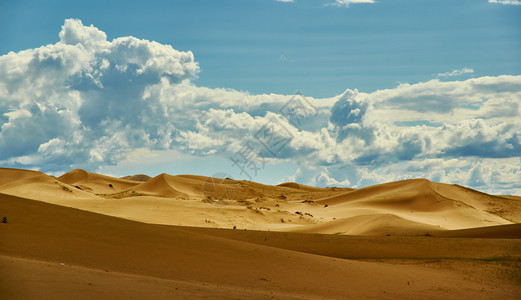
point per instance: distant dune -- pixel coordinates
(137, 177)
(410, 207)
(302, 187)
(420, 201)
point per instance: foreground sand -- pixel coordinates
(416, 239)
(94, 249)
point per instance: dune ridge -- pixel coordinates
(409, 207)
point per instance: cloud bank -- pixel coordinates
(88, 102)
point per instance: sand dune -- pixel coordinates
(89, 244)
(37, 185)
(409, 207)
(419, 201)
(164, 186)
(96, 183)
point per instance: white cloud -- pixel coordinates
(346, 3)
(91, 103)
(324, 180)
(505, 2)
(458, 72)
(285, 0)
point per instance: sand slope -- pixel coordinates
(56, 234)
(487, 243)
(373, 224)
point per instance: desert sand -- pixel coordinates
(87, 235)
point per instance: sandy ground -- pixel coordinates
(86, 235)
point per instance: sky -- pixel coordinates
(326, 93)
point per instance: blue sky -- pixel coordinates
(266, 46)
(398, 89)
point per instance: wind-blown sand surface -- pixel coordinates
(86, 235)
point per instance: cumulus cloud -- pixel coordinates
(86, 94)
(88, 102)
(505, 2)
(457, 72)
